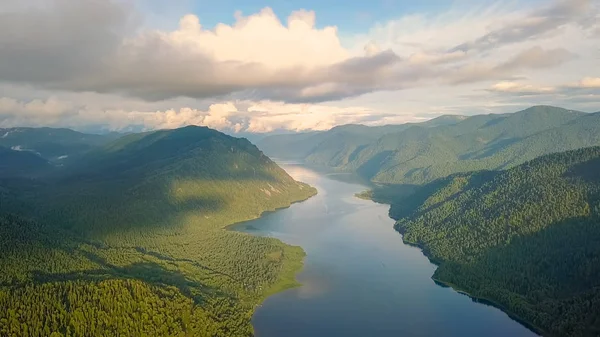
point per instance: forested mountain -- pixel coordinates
(14, 163)
(328, 144)
(51, 143)
(420, 153)
(130, 239)
(526, 239)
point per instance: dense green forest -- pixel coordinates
(129, 238)
(526, 239)
(337, 142)
(420, 153)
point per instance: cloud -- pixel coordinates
(234, 117)
(589, 82)
(535, 24)
(44, 45)
(52, 110)
(530, 59)
(520, 88)
(537, 57)
(582, 94)
(68, 63)
(97, 46)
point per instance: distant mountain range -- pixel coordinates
(422, 152)
(51, 143)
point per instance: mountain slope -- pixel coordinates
(420, 153)
(50, 143)
(134, 234)
(325, 144)
(337, 146)
(15, 163)
(527, 239)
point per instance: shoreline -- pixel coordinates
(290, 267)
(287, 279)
(489, 302)
(268, 211)
(462, 291)
(479, 299)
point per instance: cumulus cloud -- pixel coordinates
(87, 47)
(234, 117)
(95, 46)
(263, 73)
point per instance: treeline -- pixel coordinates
(526, 239)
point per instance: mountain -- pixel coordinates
(51, 143)
(14, 163)
(422, 152)
(442, 120)
(323, 143)
(344, 138)
(132, 235)
(526, 239)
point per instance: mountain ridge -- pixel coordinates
(417, 153)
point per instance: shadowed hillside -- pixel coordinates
(134, 233)
(527, 239)
(52, 144)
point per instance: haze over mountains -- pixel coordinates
(419, 153)
(53, 144)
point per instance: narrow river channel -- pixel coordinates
(359, 279)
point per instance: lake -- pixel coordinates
(359, 279)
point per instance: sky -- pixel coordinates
(248, 66)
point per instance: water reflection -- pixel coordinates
(359, 278)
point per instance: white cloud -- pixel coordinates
(262, 39)
(240, 116)
(590, 82)
(521, 88)
(259, 57)
(90, 62)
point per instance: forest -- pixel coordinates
(420, 153)
(128, 237)
(526, 239)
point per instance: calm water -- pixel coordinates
(359, 278)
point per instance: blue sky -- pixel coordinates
(302, 65)
(351, 17)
